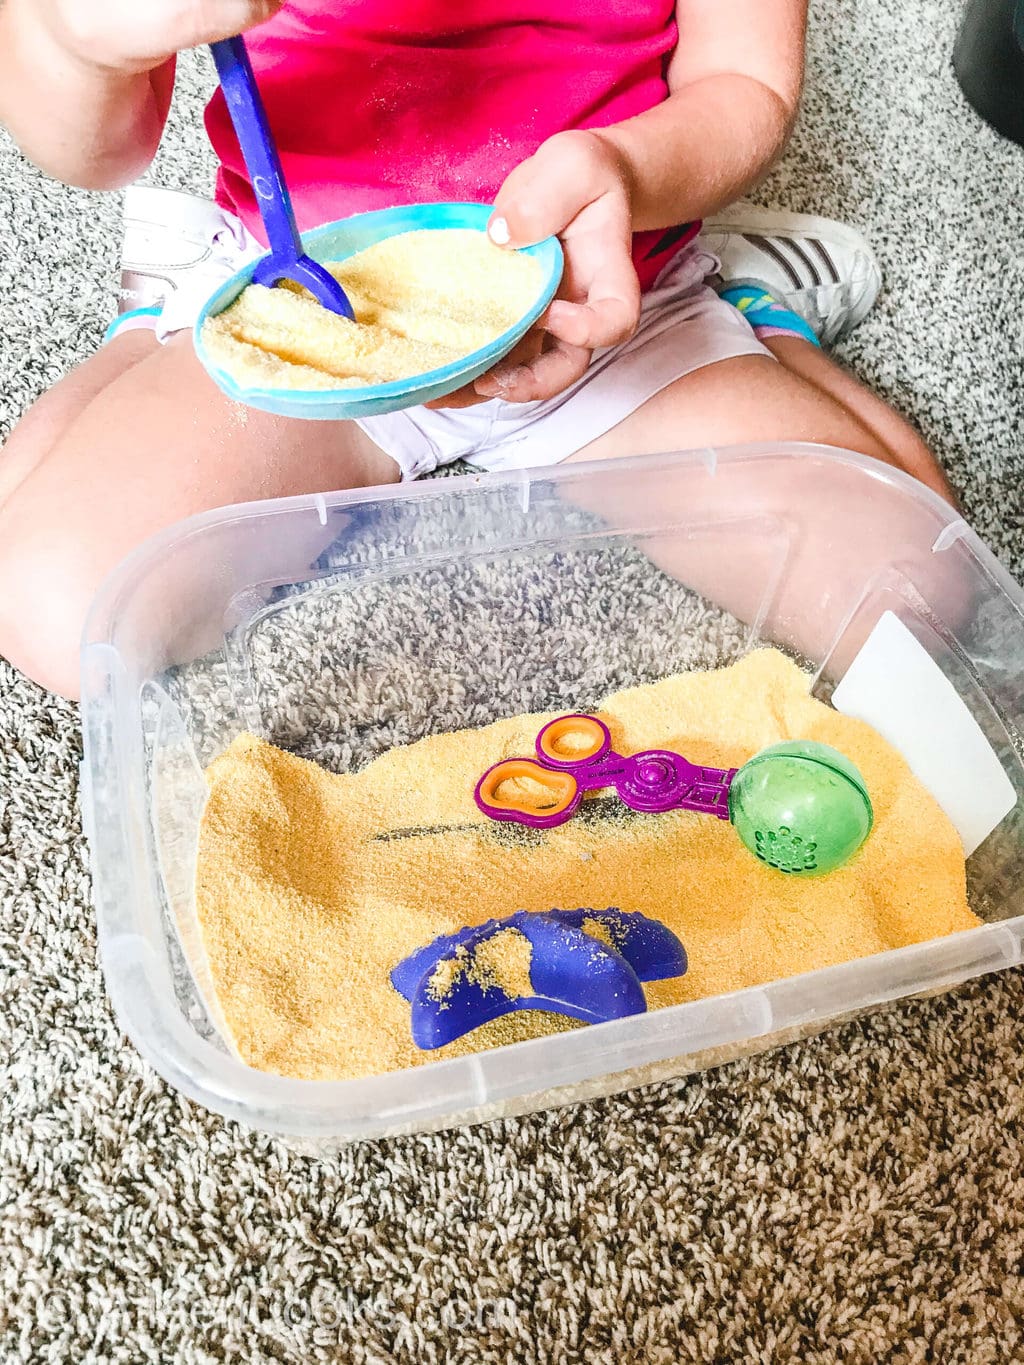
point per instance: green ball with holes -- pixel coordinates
(801, 807)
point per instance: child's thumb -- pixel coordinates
(539, 199)
(226, 18)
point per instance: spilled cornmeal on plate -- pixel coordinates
(422, 300)
(312, 886)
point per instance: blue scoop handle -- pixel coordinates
(287, 260)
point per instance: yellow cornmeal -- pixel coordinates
(311, 887)
(502, 961)
(448, 972)
(421, 300)
(598, 929)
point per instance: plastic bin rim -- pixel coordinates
(317, 1109)
(131, 570)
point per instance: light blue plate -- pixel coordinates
(336, 242)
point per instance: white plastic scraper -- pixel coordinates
(897, 687)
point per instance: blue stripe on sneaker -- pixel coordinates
(761, 309)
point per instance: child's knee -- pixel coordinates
(45, 591)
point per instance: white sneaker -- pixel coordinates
(823, 270)
(174, 243)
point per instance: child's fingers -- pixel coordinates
(206, 21)
(598, 322)
(140, 37)
(521, 354)
(534, 203)
(542, 195)
(551, 373)
(611, 309)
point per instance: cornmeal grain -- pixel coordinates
(503, 961)
(312, 886)
(600, 930)
(448, 972)
(421, 300)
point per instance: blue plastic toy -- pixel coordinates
(572, 972)
(287, 259)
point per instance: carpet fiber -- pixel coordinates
(855, 1198)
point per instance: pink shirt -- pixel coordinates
(381, 102)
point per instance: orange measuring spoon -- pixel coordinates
(552, 770)
(562, 788)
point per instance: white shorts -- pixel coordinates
(684, 326)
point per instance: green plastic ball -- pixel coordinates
(801, 807)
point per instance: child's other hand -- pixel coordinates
(575, 187)
(132, 37)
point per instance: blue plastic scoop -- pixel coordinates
(590, 976)
(287, 259)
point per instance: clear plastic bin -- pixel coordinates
(339, 626)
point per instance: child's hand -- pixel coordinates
(574, 187)
(129, 36)
(85, 85)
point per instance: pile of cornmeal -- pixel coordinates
(421, 300)
(312, 886)
(501, 962)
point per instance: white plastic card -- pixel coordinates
(897, 687)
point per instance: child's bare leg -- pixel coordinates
(51, 415)
(125, 446)
(827, 277)
(754, 400)
(804, 397)
(901, 444)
